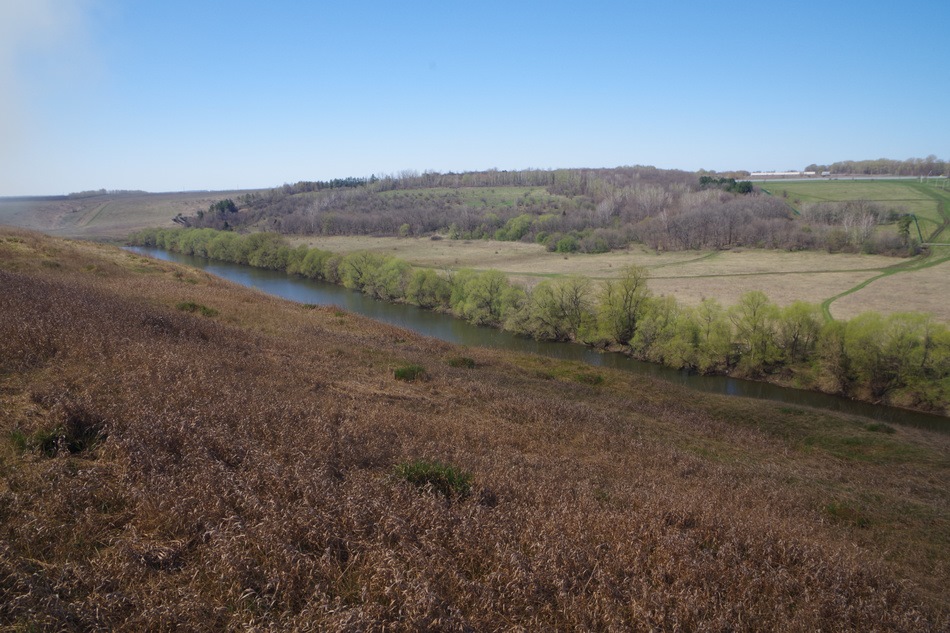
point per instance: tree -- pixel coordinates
(888, 353)
(622, 303)
(798, 327)
(428, 289)
(713, 341)
(562, 309)
(754, 318)
(482, 298)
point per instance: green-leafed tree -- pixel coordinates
(622, 302)
(798, 327)
(562, 309)
(755, 321)
(428, 289)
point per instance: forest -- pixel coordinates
(903, 358)
(567, 210)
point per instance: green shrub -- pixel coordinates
(462, 361)
(880, 427)
(567, 244)
(410, 373)
(191, 306)
(437, 477)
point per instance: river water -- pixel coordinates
(460, 332)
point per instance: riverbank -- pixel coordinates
(899, 359)
(231, 459)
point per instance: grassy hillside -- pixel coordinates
(105, 216)
(180, 452)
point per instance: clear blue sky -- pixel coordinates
(197, 94)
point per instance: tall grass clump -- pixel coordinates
(441, 478)
(410, 373)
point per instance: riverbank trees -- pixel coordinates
(902, 358)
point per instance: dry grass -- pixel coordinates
(781, 288)
(106, 217)
(924, 290)
(245, 479)
(690, 276)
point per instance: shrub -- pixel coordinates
(567, 244)
(191, 306)
(880, 427)
(462, 361)
(410, 373)
(437, 477)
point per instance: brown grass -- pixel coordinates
(244, 478)
(924, 290)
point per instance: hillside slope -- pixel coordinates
(180, 452)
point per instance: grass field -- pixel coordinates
(242, 466)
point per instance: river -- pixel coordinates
(457, 331)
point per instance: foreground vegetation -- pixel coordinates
(258, 465)
(902, 358)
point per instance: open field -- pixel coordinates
(690, 276)
(927, 290)
(107, 217)
(220, 459)
(921, 199)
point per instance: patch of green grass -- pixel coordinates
(20, 440)
(441, 478)
(589, 378)
(880, 427)
(410, 373)
(191, 306)
(76, 436)
(461, 361)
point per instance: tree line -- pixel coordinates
(929, 166)
(566, 210)
(903, 358)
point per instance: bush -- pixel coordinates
(410, 373)
(437, 477)
(567, 244)
(462, 361)
(191, 306)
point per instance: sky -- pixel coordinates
(234, 94)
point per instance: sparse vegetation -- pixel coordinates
(244, 478)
